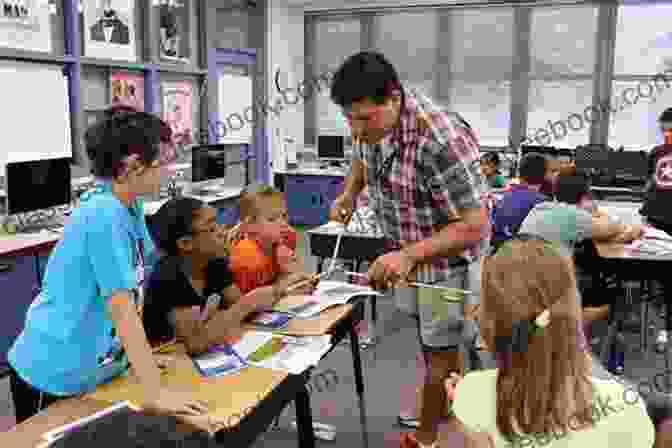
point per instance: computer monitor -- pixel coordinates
(37, 185)
(331, 148)
(208, 166)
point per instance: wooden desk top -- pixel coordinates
(226, 395)
(314, 326)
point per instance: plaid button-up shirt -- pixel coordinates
(420, 175)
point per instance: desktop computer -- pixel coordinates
(208, 168)
(38, 185)
(331, 148)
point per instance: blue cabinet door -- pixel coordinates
(17, 283)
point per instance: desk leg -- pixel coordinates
(304, 419)
(359, 381)
(320, 262)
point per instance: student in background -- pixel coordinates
(490, 168)
(569, 220)
(262, 248)
(544, 392)
(84, 327)
(191, 294)
(514, 205)
(656, 207)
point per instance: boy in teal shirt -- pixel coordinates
(84, 327)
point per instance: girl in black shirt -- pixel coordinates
(190, 294)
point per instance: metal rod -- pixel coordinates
(415, 284)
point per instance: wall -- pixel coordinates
(285, 51)
(323, 5)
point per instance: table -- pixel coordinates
(264, 392)
(339, 321)
(626, 265)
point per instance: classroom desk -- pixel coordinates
(264, 392)
(338, 321)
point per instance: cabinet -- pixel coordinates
(18, 286)
(309, 197)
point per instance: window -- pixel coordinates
(486, 107)
(558, 111)
(480, 44)
(409, 42)
(643, 39)
(335, 42)
(637, 106)
(480, 61)
(562, 41)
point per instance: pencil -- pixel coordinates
(415, 284)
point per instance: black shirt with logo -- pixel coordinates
(659, 197)
(168, 288)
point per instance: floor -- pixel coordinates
(390, 377)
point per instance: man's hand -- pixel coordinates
(390, 269)
(297, 283)
(342, 209)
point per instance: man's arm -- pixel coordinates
(604, 230)
(356, 180)
(453, 239)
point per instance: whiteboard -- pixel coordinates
(234, 104)
(35, 113)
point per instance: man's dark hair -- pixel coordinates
(491, 157)
(533, 168)
(134, 430)
(173, 221)
(570, 188)
(123, 132)
(365, 75)
(666, 116)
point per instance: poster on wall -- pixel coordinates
(127, 89)
(25, 25)
(109, 29)
(178, 110)
(174, 30)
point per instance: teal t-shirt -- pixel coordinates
(68, 332)
(497, 181)
(562, 223)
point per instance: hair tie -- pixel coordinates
(519, 340)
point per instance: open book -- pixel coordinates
(263, 349)
(327, 294)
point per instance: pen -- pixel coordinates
(415, 284)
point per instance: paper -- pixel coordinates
(656, 234)
(224, 359)
(293, 354)
(327, 294)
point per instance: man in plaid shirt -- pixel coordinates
(421, 166)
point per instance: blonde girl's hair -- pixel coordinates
(545, 387)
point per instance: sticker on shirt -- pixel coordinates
(139, 276)
(211, 305)
(663, 173)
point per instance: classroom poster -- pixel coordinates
(127, 89)
(178, 110)
(109, 29)
(174, 30)
(25, 25)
